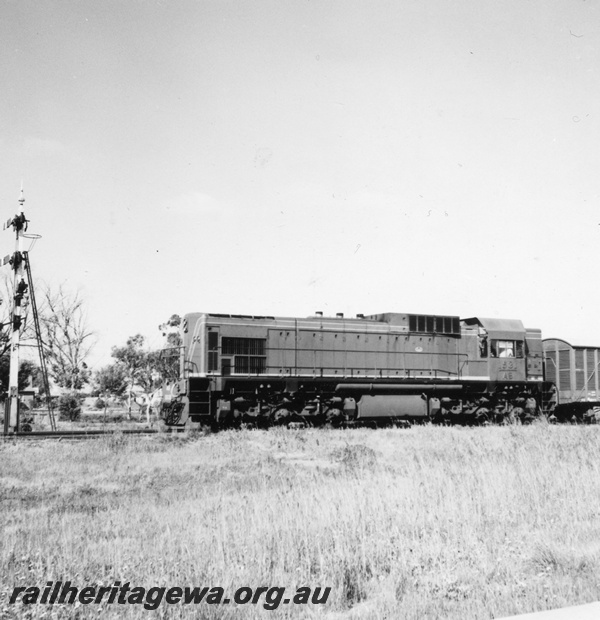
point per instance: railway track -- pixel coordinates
(81, 434)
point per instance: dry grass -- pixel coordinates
(421, 523)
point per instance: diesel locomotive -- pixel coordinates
(369, 369)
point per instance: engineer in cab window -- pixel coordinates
(506, 348)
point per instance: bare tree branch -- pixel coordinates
(66, 338)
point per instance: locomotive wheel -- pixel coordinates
(334, 416)
(482, 416)
(282, 416)
(518, 413)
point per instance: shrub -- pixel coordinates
(355, 457)
(100, 403)
(69, 406)
(39, 401)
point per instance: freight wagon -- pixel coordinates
(574, 372)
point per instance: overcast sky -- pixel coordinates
(282, 157)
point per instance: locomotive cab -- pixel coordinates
(501, 343)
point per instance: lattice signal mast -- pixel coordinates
(19, 225)
(19, 261)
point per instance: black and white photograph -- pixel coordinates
(297, 309)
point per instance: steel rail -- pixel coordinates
(84, 434)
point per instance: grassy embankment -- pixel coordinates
(411, 524)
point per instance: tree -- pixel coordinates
(173, 322)
(138, 366)
(66, 338)
(168, 360)
(111, 380)
(69, 406)
(26, 370)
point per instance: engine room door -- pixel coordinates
(226, 366)
(213, 350)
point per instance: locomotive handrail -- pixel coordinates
(465, 363)
(310, 371)
(189, 367)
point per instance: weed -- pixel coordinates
(355, 457)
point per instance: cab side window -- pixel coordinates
(507, 348)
